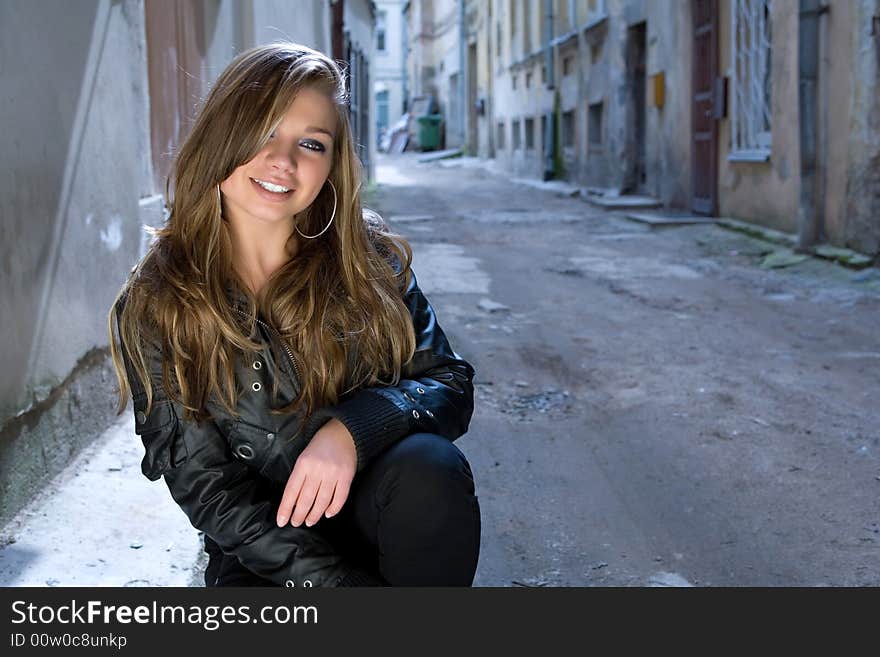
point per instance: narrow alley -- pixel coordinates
(653, 407)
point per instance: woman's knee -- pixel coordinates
(430, 463)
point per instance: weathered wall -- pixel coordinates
(447, 36)
(359, 21)
(607, 83)
(668, 128)
(862, 205)
(765, 192)
(838, 71)
(79, 162)
(307, 23)
(480, 19)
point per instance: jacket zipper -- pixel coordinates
(280, 339)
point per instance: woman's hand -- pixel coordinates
(321, 477)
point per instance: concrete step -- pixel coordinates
(668, 218)
(433, 156)
(623, 202)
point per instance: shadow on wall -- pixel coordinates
(43, 154)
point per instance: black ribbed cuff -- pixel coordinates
(358, 577)
(374, 422)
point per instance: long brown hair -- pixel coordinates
(337, 304)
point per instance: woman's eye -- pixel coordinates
(313, 145)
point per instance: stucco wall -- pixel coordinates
(765, 192)
(79, 160)
(307, 23)
(78, 189)
(603, 61)
(862, 205)
(447, 36)
(668, 128)
(838, 67)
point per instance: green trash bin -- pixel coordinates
(429, 131)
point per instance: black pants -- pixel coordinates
(411, 517)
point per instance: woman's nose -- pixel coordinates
(282, 158)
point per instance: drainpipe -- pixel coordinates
(404, 49)
(550, 116)
(822, 102)
(812, 120)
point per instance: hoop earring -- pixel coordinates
(311, 237)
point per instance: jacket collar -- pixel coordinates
(238, 299)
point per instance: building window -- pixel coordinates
(594, 129)
(568, 128)
(517, 138)
(751, 80)
(498, 37)
(528, 80)
(530, 133)
(500, 137)
(543, 75)
(513, 80)
(527, 25)
(567, 65)
(380, 31)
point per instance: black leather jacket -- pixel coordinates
(228, 474)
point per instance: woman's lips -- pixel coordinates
(271, 196)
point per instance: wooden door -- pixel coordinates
(704, 127)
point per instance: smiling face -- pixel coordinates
(297, 158)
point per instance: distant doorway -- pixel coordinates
(635, 177)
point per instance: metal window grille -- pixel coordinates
(751, 80)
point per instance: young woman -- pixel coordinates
(289, 379)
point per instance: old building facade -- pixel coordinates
(435, 64)
(758, 110)
(389, 64)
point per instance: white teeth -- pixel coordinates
(269, 186)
